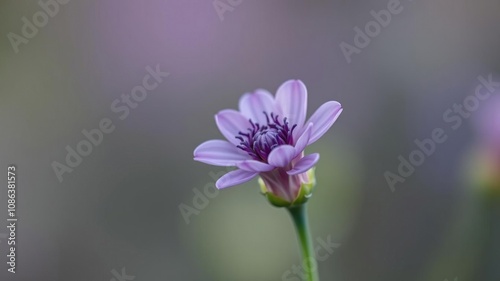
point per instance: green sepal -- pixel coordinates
(305, 192)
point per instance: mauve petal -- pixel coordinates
(281, 156)
(291, 100)
(254, 166)
(234, 178)
(323, 119)
(304, 164)
(253, 105)
(219, 153)
(303, 140)
(230, 123)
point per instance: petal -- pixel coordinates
(323, 119)
(304, 164)
(234, 178)
(230, 123)
(281, 156)
(291, 99)
(303, 140)
(254, 166)
(253, 105)
(219, 153)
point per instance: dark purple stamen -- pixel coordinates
(261, 140)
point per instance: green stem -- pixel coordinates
(299, 217)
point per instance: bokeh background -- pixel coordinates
(120, 209)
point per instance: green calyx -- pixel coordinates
(305, 192)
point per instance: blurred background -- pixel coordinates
(132, 210)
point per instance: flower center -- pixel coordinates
(259, 141)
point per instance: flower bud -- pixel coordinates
(485, 173)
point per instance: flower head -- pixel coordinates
(485, 168)
(267, 137)
(488, 125)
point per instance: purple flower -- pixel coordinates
(488, 124)
(267, 137)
